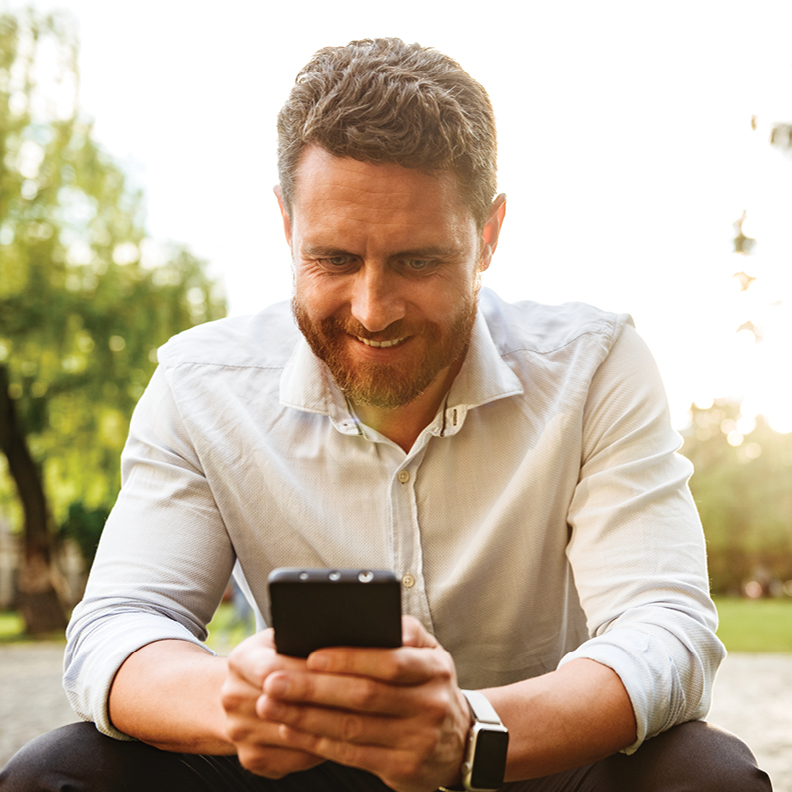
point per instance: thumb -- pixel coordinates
(416, 635)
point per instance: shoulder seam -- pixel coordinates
(608, 333)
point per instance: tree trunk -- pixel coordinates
(38, 600)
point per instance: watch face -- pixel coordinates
(490, 763)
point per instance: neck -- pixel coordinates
(403, 424)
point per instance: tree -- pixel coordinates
(741, 484)
(85, 299)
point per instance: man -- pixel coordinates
(513, 464)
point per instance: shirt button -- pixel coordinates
(404, 476)
(408, 581)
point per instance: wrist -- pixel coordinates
(484, 763)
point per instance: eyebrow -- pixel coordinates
(324, 252)
(429, 252)
(418, 253)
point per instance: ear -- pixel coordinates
(284, 214)
(491, 231)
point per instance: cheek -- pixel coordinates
(448, 301)
(318, 298)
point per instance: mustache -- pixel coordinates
(398, 329)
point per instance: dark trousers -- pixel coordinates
(693, 757)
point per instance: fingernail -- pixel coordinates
(277, 686)
(318, 662)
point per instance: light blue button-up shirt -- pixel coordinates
(542, 515)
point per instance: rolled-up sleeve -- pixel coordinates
(162, 563)
(637, 547)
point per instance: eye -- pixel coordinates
(337, 261)
(418, 264)
(336, 264)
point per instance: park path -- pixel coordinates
(753, 699)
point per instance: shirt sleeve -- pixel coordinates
(162, 564)
(637, 547)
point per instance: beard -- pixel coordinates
(388, 385)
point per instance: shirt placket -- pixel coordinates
(406, 533)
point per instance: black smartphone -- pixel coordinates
(314, 608)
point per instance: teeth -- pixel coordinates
(380, 344)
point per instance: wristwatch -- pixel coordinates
(485, 753)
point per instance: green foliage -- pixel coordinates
(12, 627)
(743, 489)
(85, 526)
(755, 625)
(85, 297)
(226, 630)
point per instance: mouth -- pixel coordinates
(381, 344)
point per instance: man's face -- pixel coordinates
(387, 264)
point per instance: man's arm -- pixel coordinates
(167, 694)
(177, 697)
(576, 715)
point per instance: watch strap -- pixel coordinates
(481, 711)
(480, 707)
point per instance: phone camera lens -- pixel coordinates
(335, 576)
(366, 577)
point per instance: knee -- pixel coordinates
(55, 761)
(699, 757)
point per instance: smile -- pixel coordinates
(380, 344)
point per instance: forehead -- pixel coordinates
(353, 197)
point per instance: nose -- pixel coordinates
(376, 302)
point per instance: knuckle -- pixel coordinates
(258, 763)
(399, 666)
(298, 718)
(233, 705)
(236, 733)
(272, 764)
(436, 709)
(447, 670)
(346, 753)
(228, 698)
(413, 765)
(366, 693)
(352, 727)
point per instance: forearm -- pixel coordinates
(571, 717)
(168, 694)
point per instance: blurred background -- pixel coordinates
(646, 150)
(646, 153)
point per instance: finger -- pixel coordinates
(255, 658)
(366, 757)
(398, 768)
(336, 724)
(258, 742)
(414, 634)
(275, 762)
(405, 666)
(353, 693)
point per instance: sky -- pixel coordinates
(626, 149)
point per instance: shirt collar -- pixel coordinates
(306, 384)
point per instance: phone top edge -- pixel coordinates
(331, 575)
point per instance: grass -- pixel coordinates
(745, 626)
(12, 630)
(755, 625)
(11, 626)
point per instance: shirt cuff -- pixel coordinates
(92, 661)
(648, 674)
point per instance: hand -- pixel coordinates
(397, 713)
(258, 741)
